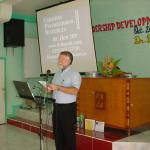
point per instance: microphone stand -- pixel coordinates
(40, 111)
(39, 101)
(40, 115)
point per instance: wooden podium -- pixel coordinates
(121, 103)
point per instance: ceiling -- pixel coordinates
(28, 7)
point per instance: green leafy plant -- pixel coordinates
(109, 67)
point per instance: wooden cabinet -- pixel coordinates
(119, 102)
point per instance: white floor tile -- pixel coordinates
(13, 138)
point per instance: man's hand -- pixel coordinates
(48, 88)
(68, 90)
(54, 87)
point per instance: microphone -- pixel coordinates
(47, 74)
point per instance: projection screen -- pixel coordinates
(66, 27)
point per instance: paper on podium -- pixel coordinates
(99, 126)
(43, 83)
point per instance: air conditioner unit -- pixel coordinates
(5, 12)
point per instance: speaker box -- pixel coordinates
(14, 33)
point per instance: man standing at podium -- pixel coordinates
(65, 86)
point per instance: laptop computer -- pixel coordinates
(24, 91)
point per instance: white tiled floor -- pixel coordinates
(13, 138)
(131, 146)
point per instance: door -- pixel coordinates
(2, 92)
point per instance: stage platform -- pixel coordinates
(87, 140)
(111, 139)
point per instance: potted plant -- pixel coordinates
(109, 67)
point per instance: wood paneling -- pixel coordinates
(119, 102)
